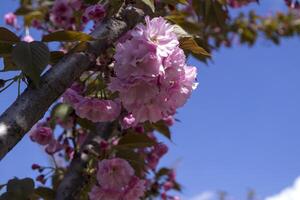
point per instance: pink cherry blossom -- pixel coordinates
(94, 12)
(53, 147)
(11, 20)
(135, 189)
(128, 121)
(62, 13)
(151, 74)
(41, 134)
(115, 173)
(72, 97)
(169, 120)
(158, 33)
(155, 155)
(98, 193)
(98, 110)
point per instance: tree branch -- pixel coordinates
(34, 102)
(74, 179)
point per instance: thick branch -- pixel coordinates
(74, 179)
(34, 102)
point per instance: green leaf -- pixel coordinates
(57, 177)
(135, 159)
(55, 56)
(9, 64)
(174, 2)
(32, 58)
(188, 43)
(177, 186)
(180, 32)
(149, 3)
(45, 193)
(179, 18)
(20, 188)
(29, 17)
(162, 172)
(5, 49)
(85, 123)
(8, 36)
(220, 14)
(67, 36)
(61, 111)
(162, 128)
(23, 10)
(135, 140)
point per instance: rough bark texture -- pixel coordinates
(34, 102)
(74, 178)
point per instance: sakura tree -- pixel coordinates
(112, 82)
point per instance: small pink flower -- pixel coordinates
(11, 20)
(41, 134)
(94, 12)
(61, 14)
(159, 33)
(169, 120)
(168, 185)
(156, 154)
(128, 121)
(53, 147)
(115, 173)
(99, 193)
(135, 189)
(35, 166)
(72, 97)
(98, 110)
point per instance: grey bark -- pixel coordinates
(32, 104)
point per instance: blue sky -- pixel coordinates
(239, 130)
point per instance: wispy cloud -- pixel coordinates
(289, 193)
(208, 195)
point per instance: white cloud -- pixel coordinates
(208, 195)
(289, 193)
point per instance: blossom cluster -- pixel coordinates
(152, 76)
(116, 181)
(43, 135)
(94, 12)
(62, 14)
(96, 110)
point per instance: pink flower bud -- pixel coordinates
(168, 185)
(41, 179)
(35, 166)
(94, 12)
(53, 147)
(41, 134)
(128, 121)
